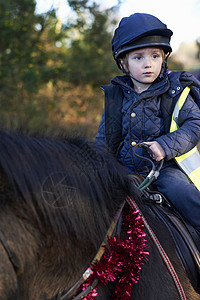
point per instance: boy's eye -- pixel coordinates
(155, 55)
(138, 57)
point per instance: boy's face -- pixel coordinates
(144, 65)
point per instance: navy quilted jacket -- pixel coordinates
(143, 120)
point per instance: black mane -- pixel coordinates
(69, 186)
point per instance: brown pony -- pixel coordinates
(58, 196)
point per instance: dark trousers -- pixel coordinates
(174, 185)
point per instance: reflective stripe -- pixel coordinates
(194, 176)
(174, 124)
(194, 157)
(190, 164)
(190, 161)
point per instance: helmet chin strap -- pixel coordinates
(134, 78)
(127, 73)
(163, 68)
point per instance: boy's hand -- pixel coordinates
(158, 152)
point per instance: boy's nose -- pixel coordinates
(148, 62)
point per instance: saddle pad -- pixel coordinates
(186, 248)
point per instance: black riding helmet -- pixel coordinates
(137, 31)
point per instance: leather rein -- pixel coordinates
(161, 251)
(72, 291)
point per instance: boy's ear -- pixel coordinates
(123, 65)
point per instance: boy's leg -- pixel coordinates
(174, 184)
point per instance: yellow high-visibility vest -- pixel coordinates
(190, 161)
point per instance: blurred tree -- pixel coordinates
(89, 55)
(198, 46)
(25, 58)
(36, 53)
(174, 64)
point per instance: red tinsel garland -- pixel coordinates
(122, 259)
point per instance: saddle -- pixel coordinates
(185, 237)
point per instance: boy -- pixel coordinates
(139, 108)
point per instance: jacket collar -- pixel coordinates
(157, 88)
(180, 79)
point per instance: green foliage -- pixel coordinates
(89, 57)
(198, 47)
(18, 42)
(174, 65)
(36, 54)
(25, 59)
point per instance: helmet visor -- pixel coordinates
(148, 41)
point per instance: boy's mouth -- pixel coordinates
(148, 74)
